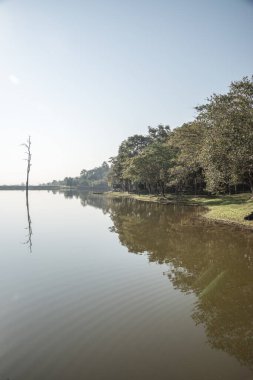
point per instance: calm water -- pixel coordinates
(118, 289)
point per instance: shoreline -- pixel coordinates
(228, 209)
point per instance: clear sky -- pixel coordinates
(80, 76)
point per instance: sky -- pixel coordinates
(81, 76)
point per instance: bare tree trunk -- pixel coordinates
(28, 159)
(162, 186)
(195, 185)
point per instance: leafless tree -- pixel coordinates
(28, 159)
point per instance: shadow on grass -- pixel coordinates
(226, 200)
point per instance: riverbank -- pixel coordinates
(229, 209)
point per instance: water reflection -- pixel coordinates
(86, 198)
(214, 262)
(28, 241)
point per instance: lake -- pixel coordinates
(100, 288)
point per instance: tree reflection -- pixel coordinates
(86, 198)
(214, 262)
(28, 242)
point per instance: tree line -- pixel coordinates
(93, 178)
(212, 153)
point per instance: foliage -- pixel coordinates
(227, 151)
(151, 167)
(96, 177)
(142, 161)
(212, 153)
(188, 171)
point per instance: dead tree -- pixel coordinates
(28, 159)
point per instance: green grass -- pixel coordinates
(228, 208)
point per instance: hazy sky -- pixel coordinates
(80, 76)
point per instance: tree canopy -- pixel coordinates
(212, 153)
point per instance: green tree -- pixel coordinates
(187, 171)
(129, 148)
(227, 152)
(151, 167)
(160, 133)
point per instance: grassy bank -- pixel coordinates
(227, 209)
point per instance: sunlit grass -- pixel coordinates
(231, 208)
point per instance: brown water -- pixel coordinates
(120, 289)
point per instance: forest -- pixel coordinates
(93, 178)
(211, 154)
